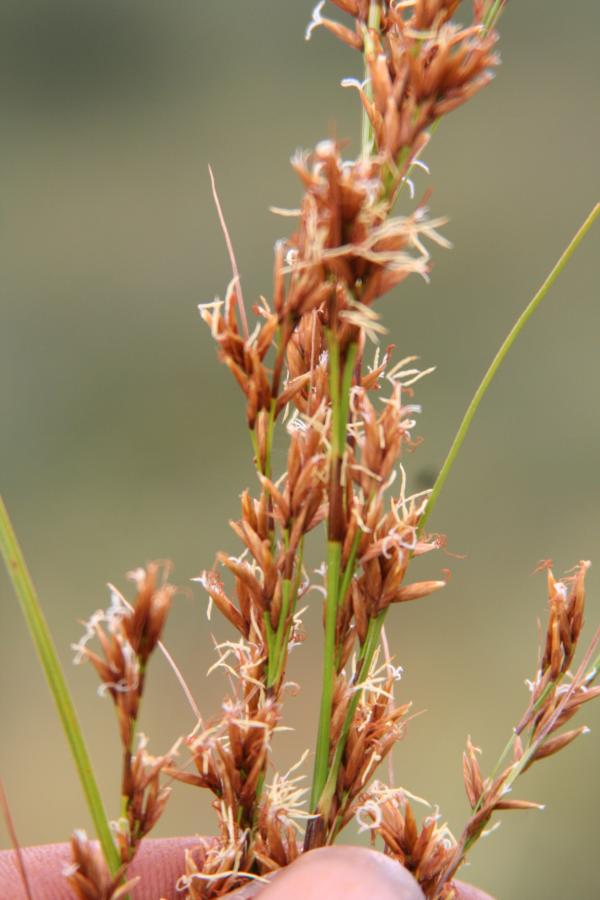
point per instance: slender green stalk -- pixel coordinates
(366, 657)
(334, 554)
(499, 359)
(340, 399)
(266, 469)
(40, 633)
(376, 624)
(280, 636)
(270, 636)
(373, 24)
(288, 605)
(493, 13)
(344, 398)
(275, 664)
(334, 383)
(349, 570)
(340, 383)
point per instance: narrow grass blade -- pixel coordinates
(40, 633)
(499, 359)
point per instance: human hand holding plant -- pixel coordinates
(336, 873)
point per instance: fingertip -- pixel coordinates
(342, 873)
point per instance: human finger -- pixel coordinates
(338, 873)
(159, 862)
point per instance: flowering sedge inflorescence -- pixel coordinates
(127, 636)
(556, 694)
(349, 414)
(348, 421)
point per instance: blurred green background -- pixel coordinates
(123, 440)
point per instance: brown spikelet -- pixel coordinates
(471, 774)
(128, 635)
(88, 875)
(418, 590)
(556, 695)
(548, 748)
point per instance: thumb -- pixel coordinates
(338, 873)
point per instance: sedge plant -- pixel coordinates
(311, 371)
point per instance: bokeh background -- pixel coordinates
(122, 440)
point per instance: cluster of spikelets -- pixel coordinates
(127, 635)
(556, 694)
(349, 419)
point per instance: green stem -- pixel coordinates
(334, 389)
(288, 605)
(266, 470)
(334, 555)
(349, 570)
(42, 639)
(493, 14)
(344, 398)
(270, 636)
(275, 666)
(365, 659)
(499, 359)
(275, 660)
(373, 24)
(339, 388)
